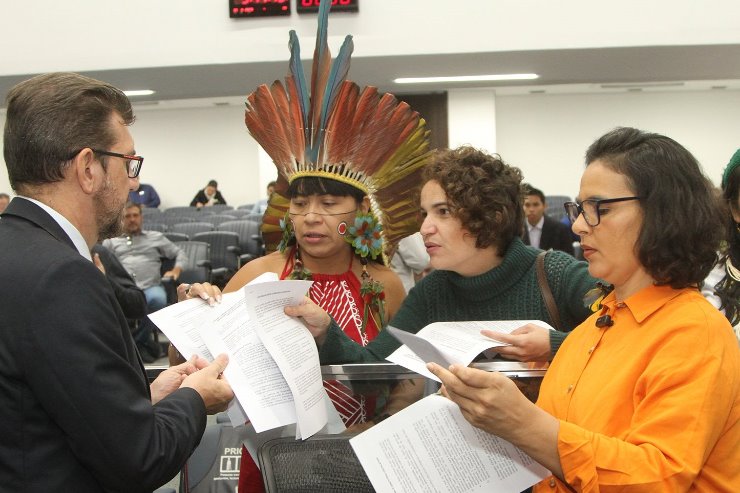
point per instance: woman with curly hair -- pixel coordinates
(722, 285)
(471, 205)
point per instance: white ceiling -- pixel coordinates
(563, 70)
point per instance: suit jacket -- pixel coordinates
(76, 412)
(555, 235)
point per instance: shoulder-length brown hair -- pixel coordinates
(681, 230)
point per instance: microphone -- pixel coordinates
(604, 321)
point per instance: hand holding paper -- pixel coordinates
(447, 343)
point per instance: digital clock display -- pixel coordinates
(258, 8)
(312, 6)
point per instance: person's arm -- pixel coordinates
(534, 343)
(128, 294)
(198, 200)
(335, 347)
(220, 198)
(170, 250)
(569, 291)
(153, 200)
(493, 403)
(95, 395)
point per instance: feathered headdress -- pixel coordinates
(360, 137)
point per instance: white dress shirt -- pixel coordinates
(535, 232)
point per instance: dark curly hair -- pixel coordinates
(483, 192)
(728, 289)
(681, 231)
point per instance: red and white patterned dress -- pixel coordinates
(339, 295)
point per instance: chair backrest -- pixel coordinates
(172, 220)
(323, 463)
(217, 219)
(555, 207)
(218, 208)
(246, 206)
(189, 212)
(151, 214)
(239, 213)
(161, 227)
(214, 465)
(198, 253)
(190, 229)
(254, 216)
(174, 237)
(250, 237)
(221, 255)
(185, 209)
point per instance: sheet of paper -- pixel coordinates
(255, 379)
(180, 323)
(447, 343)
(254, 440)
(429, 446)
(292, 346)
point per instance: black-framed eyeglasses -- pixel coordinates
(133, 163)
(591, 209)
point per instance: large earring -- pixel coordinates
(286, 226)
(365, 236)
(299, 271)
(373, 298)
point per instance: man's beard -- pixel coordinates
(109, 214)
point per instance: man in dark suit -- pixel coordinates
(541, 231)
(77, 411)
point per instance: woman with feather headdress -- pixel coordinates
(349, 164)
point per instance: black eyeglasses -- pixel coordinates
(591, 209)
(133, 163)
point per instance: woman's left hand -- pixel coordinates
(205, 291)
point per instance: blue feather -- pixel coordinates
(319, 75)
(339, 70)
(296, 70)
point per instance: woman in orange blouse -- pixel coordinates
(643, 396)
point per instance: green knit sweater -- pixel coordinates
(509, 291)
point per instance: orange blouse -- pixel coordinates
(651, 403)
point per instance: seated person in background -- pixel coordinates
(410, 260)
(261, 206)
(542, 231)
(208, 196)
(644, 395)
(4, 201)
(471, 203)
(145, 195)
(722, 285)
(141, 253)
